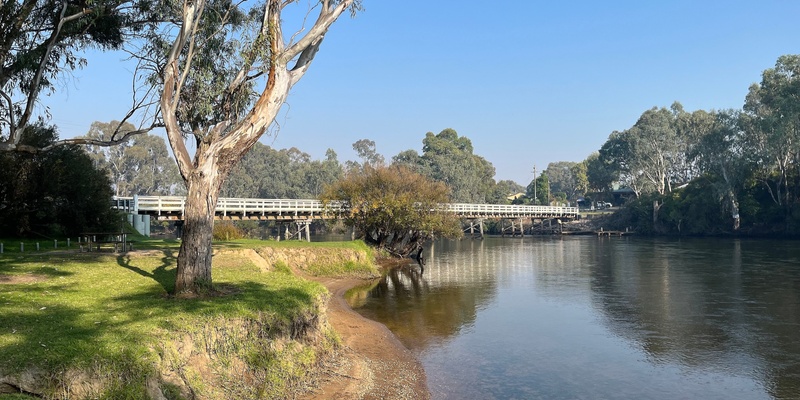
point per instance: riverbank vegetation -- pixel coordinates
(101, 325)
(712, 172)
(393, 208)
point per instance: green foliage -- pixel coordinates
(281, 174)
(57, 193)
(448, 158)
(393, 208)
(227, 231)
(538, 191)
(27, 27)
(141, 166)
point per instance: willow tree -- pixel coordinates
(224, 74)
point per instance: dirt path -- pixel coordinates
(372, 363)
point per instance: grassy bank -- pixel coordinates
(103, 325)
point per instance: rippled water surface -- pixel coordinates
(589, 318)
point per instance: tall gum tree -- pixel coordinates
(209, 78)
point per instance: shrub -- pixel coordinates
(226, 231)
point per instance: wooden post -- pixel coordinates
(480, 224)
(521, 228)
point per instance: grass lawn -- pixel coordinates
(110, 316)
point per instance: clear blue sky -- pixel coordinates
(529, 82)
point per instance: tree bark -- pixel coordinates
(194, 261)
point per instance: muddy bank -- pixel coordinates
(371, 362)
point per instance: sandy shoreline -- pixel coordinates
(371, 363)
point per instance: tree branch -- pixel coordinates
(327, 17)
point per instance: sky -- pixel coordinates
(528, 82)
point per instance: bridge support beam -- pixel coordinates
(475, 223)
(516, 226)
(303, 226)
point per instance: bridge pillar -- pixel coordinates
(304, 226)
(474, 223)
(140, 222)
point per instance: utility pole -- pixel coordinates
(534, 184)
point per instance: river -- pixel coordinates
(599, 318)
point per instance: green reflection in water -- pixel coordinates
(599, 318)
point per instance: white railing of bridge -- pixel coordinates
(465, 209)
(175, 204)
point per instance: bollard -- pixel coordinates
(21, 247)
(37, 246)
(1, 248)
(67, 242)
(55, 243)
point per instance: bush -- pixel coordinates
(226, 231)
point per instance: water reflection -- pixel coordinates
(714, 305)
(426, 307)
(599, 318)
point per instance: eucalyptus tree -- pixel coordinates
(649, 156)
(718, 151)
(600, 172)
(322, 173)
(580, 176)
(40, 43)
(567, 177)
(224, 69)
(284, 174)
(771, 120)
(449, 158)
(614, 164)
(367, 152)
(653, 144)
(141, 165)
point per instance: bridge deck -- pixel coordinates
(171, 207)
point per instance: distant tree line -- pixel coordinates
(712, 172)
(699, 172)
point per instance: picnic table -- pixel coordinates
(94, 241)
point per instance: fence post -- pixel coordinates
(37, 246)
(55, 243)
(1, 248)
(67, 242)
(21, 247)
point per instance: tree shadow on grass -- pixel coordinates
(162, 274)
(242, 299)
(15, 265)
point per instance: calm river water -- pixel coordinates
(590, 318)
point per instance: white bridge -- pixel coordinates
(172, 208)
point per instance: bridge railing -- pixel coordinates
(466, 209)
(287, 207)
